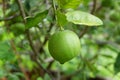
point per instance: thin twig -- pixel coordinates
(94, 6)
(49, 73)
(9, 18)
(22, 10)
(83, 32)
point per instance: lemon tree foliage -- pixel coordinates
(83, 18)
(66, 4)
(52, 41)
(61, 18)
(33, 21)
(117, 64)
(5, 51)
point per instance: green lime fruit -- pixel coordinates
(64, 45)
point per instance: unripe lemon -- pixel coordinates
(64, 45)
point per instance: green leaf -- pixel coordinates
(61, 18)
(2, 73)
(33, 21)
(46, 77)
(39, 78)
(83, 18)
(117, 64)
(6, 52)
(13, 77)
(27, 62)
(66, 4)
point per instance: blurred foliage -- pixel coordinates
(22, 59)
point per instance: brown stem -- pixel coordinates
(83, 32)
(22, 10)
(94, 6)
(45, 70)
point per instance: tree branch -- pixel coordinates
(30, 40)
(94, 6)
(21, 10)
(83, 32)
(27, 31)
(18, 59)
(9, 18)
